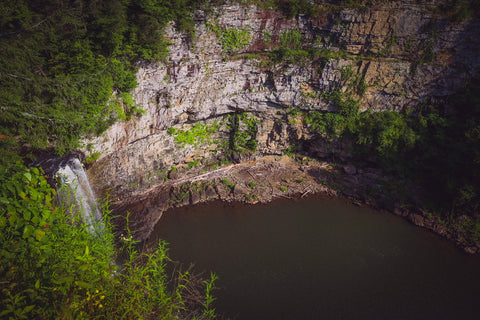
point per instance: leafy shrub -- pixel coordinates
(229, 184)
(92, 158)
(199, 133)
(243, 132)
(231, 39)
(388, 132)
(334, 124)
(54, 267)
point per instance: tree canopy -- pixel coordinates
(62, 60)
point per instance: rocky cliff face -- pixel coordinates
(391, 56)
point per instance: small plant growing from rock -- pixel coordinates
(229, 184)
(231, 39)
(291, 39)
(251, 196)
(199, 133)
(266, 37)
(192, 164)
(92, 158)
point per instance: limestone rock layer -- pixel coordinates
(403, 52)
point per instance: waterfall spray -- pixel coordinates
(73, 188)
(76, 192)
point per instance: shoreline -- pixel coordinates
(270, 178)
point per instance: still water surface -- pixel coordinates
(323, 259)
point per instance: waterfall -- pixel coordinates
(68, 175)
(76, 192)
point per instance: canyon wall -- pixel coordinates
(391, 56)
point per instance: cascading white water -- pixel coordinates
(76, 191)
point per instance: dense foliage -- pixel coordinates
(447, 155)
(437, 150)
(66, 71)
(62, 60)
(54, 267)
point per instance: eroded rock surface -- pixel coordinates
(405, 52)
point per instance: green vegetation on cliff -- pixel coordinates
(231, 39)
(447, 155)
(199, 133)
(437, 149)
(67, 67)
(66, 70)
(54, 266)
(243, 131)
(62, 60)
